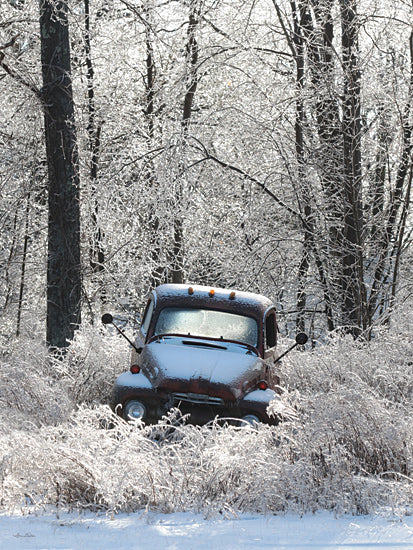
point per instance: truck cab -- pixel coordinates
(210, 352)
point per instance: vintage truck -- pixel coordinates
(211, 352)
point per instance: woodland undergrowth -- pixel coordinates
(350, 450)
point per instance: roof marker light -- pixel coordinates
(262, 385)
(232, 296)
(212, 292)
(135, 369)
(190, 290)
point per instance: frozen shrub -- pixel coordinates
(91, 364)
(348, 450)
(175, 467)
(30, 392)
(357, 396)
(37, 388)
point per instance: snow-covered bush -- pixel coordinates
(31, 393)
(37, 388)
(358, 396)
(170, 468)
(349, 450)
(91, 364)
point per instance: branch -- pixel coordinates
(13, 73)
(10, 43)
(245, 175)
(241, 47)
(284, 28)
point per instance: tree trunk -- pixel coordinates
(96, 252)
(192, 51)
(390, 238)
(301, 37)
(23, 268)
(158, 274)
(63, 268)
(353, 269)
(298, 53)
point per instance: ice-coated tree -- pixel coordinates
(257, 144)
(354, 151)
(19, 59)
(63, 267)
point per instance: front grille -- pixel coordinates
(199, 398)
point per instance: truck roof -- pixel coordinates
(235, 301)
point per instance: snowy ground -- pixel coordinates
(186, 531)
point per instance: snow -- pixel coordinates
(189, 531)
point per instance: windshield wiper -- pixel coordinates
(203, 344)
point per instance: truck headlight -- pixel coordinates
(135, 410)
(251, 419)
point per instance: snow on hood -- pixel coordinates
(187, 368)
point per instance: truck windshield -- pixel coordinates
(208, 323)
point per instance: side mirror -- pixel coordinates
(107, 319)
(301, 339)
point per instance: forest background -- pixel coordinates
(253, 144)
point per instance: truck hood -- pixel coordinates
(175, 367)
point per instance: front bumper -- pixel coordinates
(201, 408)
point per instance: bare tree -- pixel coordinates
(344, 254)
(94, 128)
(63, 268)
(191, 84)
